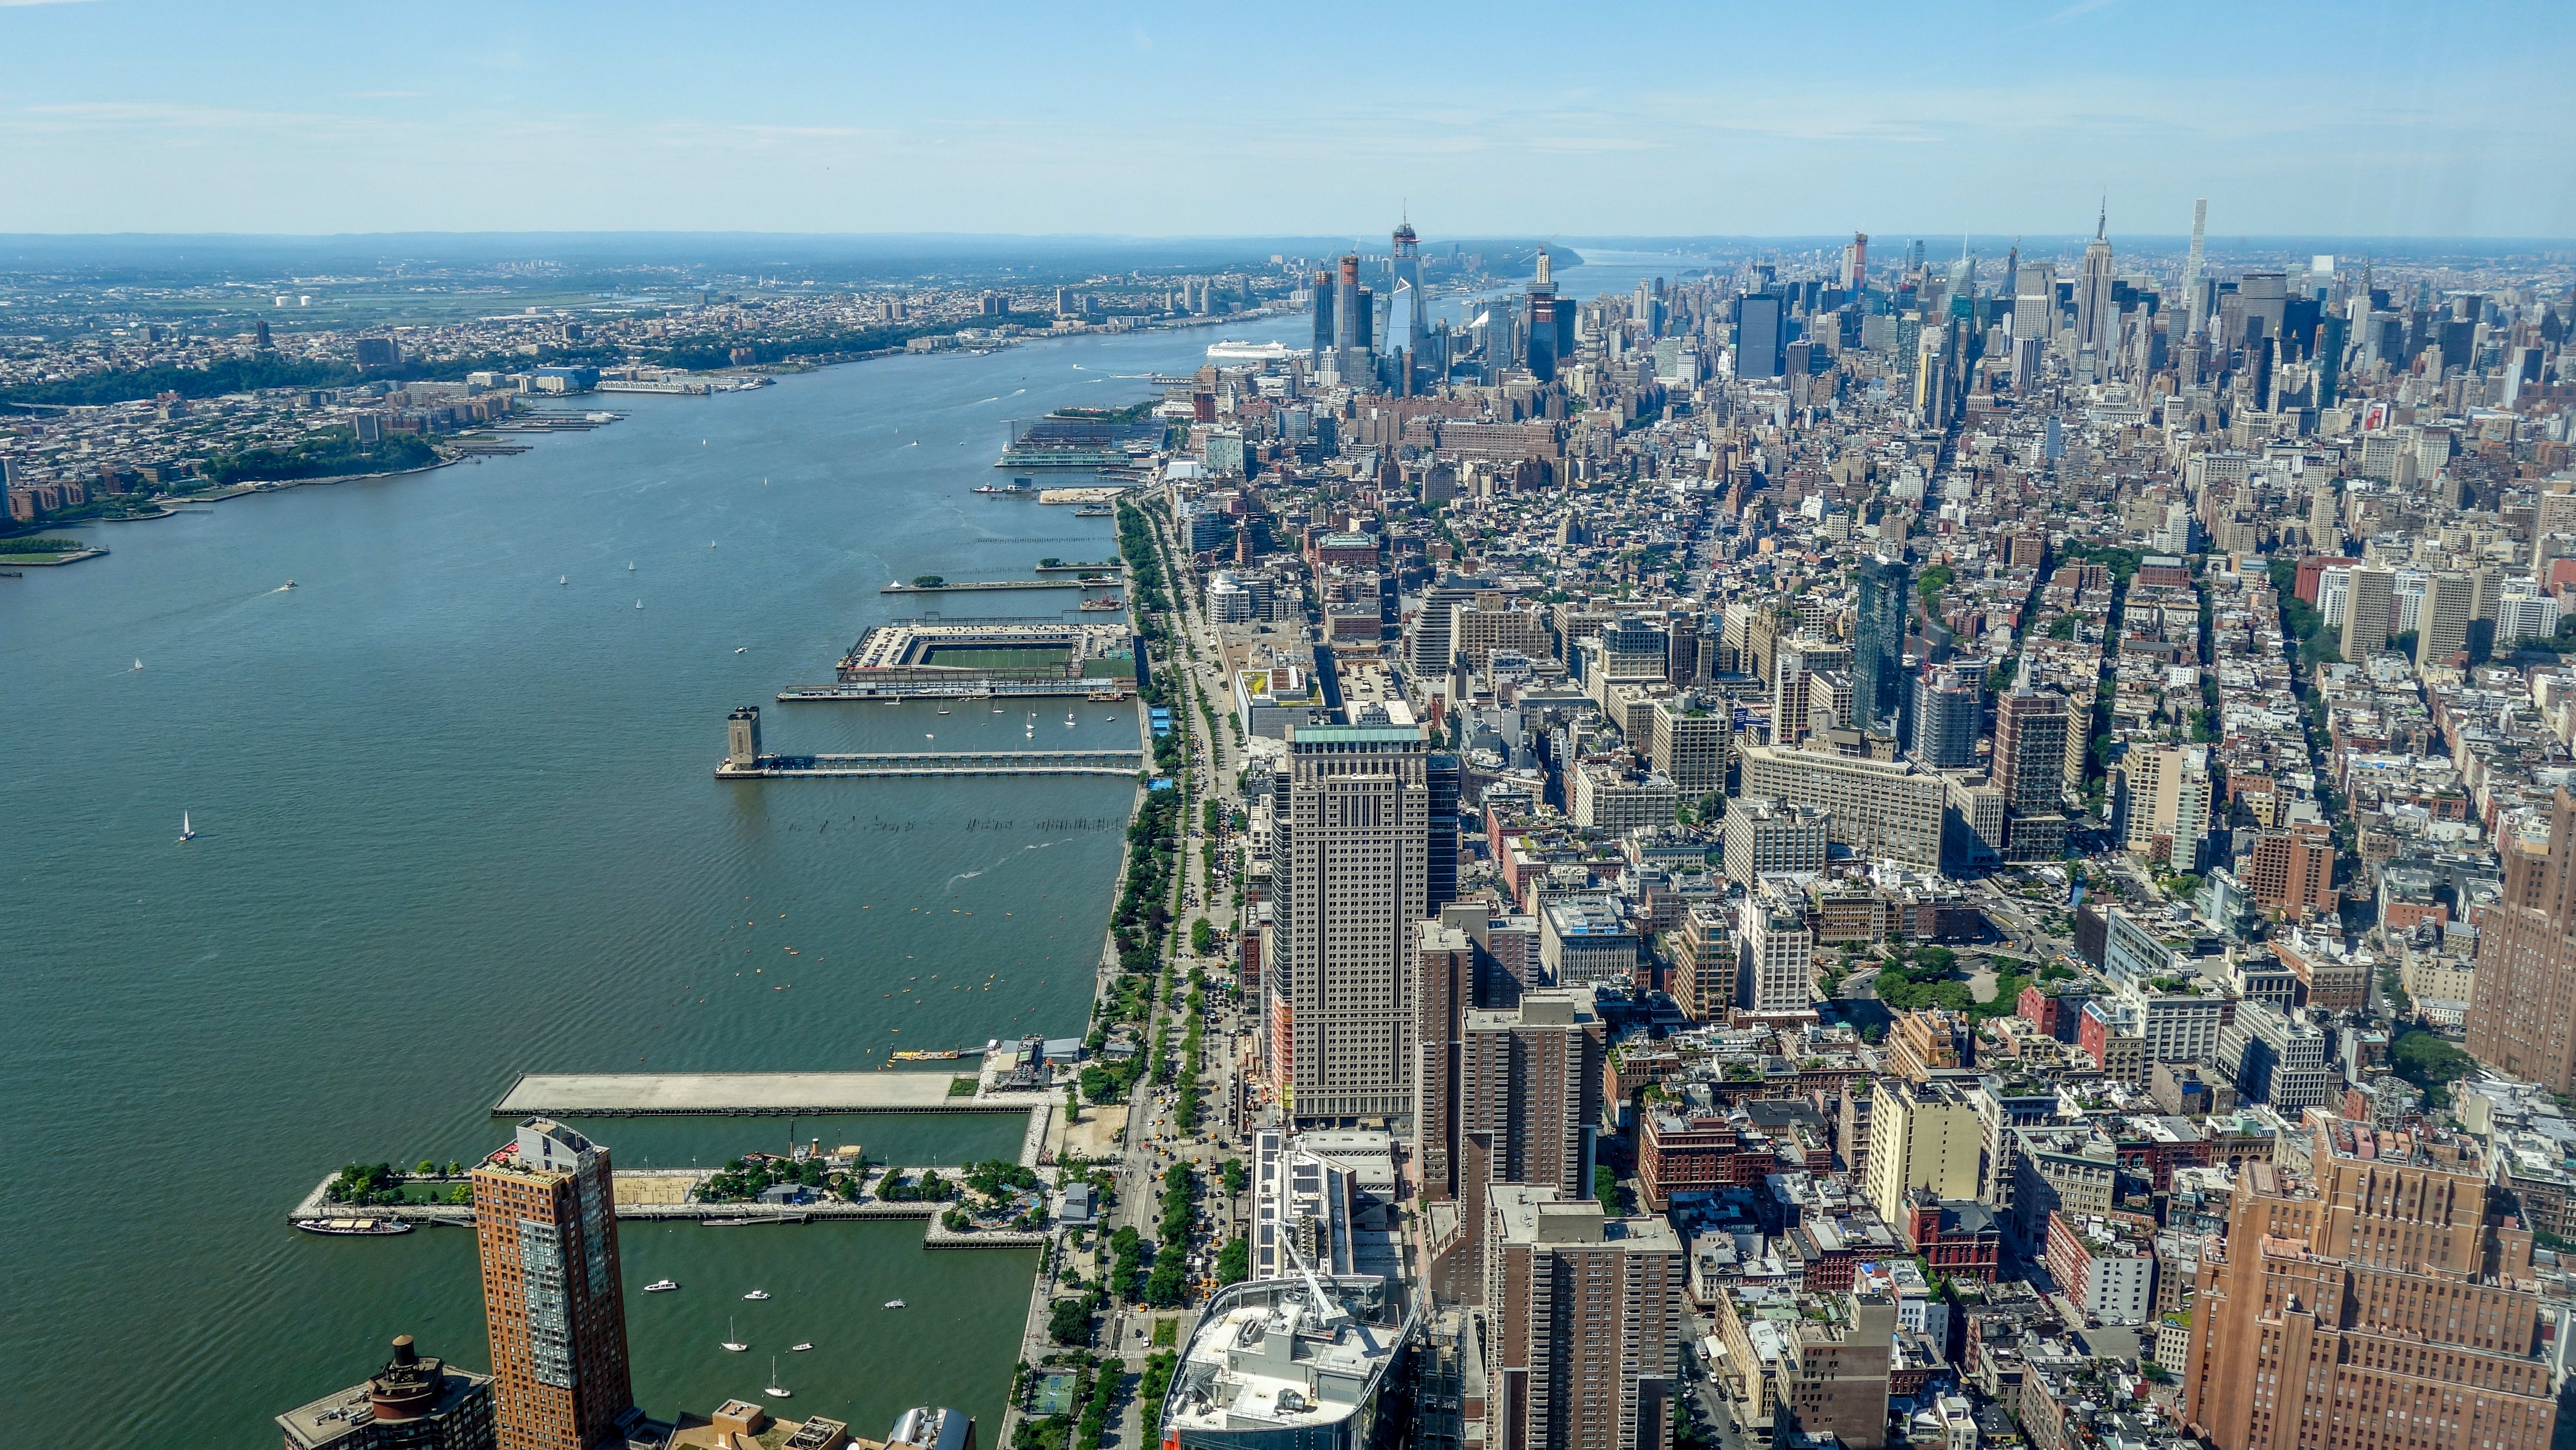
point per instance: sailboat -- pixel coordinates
(730, 1342)
(1068, 718)
(138, 664)
(187, 832)
(563, 579)
(639, 603)
(774, 1391)
(630, 566)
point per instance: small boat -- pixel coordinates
(1093, 511)
(774, 1392)
(187, 832)
(354, 1227)
(661, 1286)
(138, 664)
(711, 543)
(563, 579)
(943, 709)
(728, 1222)
(740, 648)
(290, 583)
(630, 566)
(731, 1343)
(801, 1348)
(1068, 717)
(894, 1303)
(757, 1294)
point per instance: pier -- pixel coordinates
(967, 585)
(755, 1094)
(959, 689)
(981, 762)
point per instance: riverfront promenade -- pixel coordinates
(753, 1094)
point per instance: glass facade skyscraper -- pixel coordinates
(1878, 645)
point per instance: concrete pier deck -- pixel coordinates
(986, 762)
(766, 1094)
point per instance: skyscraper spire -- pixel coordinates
(2102, 223)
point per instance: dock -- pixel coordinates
(758, 1094)
(1096, 687)
(968, 585)
(983, 762)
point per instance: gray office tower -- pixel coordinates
(1440, 861)
(1949, 716)
(1757, 336)
(1878, 645)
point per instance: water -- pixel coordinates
(458, 822)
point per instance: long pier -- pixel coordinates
(982, 762)
(965, 586)
(757, 1094)
(969, 688)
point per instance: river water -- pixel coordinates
(458, 823)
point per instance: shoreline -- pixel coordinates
(49, 559)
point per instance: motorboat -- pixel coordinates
(661, 1286)
(757, 1294)
(894, 1304)
(801, 1348)
(290, 583)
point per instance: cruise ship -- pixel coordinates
(1244, 352)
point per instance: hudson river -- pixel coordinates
(458, 823)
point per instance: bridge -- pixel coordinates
(986, 762)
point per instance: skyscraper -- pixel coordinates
(1440, 838)
(1350, 323)
(1351, 881)
(1544, 325)
(1878, 645)
(2522, 1018)
(1588, 1324)
(2375, 1305)
(2030, 768)
(1757, 336)
(2450, 602)
(1948, 717)
(2191, 268)
(1856, 262)
(545, 1223)
(1327, 334)
(2035, 303)
(2365, 618)
(2096, 315)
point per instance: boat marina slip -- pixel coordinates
(488, 844)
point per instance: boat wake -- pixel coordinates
(980, 870)
(981, 401)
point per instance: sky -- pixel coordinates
(2362, 119)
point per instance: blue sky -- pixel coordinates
(2360, 119)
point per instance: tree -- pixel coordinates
(1605, 1187)
(927, 581)
(1234, 1261)
(1235, 1178)
(427, 1169)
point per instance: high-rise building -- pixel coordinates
(2030, 768)
(2167, 805)
(2450, 602)
(1691, 744)
(1948, 718)
(545, 1223)
(1779, 971)
(411, 1404)
(1530, 1088)
(1551, 323)
(1767, 837)
(2522, 1014)
(1879, 808)
(2291, 870)
(1444, 992)
(2034, 315)
(2191, 268)
(1757, 336)
(1878, 645)
(1327, 333)
(1856, 262)
(1587, 1324)
(1351, 319)
(2371, 596)
(2373, 1305)
(1440, 773)
(1350, 880)
(2096, 314)
(1921, 1135)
